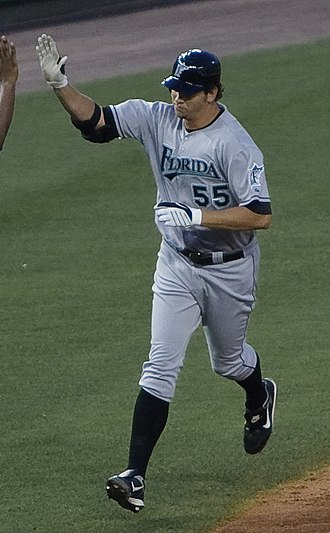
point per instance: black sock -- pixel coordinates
(256, 394)
(149, 419)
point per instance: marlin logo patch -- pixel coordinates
(173, 166)
(255, 176)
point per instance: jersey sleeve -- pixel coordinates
(246, 176)
(133, 119)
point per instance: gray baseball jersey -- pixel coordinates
(216, 167)
(212, 168)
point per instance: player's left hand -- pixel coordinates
(51, 64)
(177, 214)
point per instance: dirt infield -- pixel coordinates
(105, 47)
(303, 507)
(111, 46)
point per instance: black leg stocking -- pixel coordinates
(149, 420)
(255, 391)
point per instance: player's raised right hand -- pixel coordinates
(51, 64)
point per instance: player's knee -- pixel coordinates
(230, 370)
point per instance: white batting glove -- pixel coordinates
(176, 214)
(51, 64)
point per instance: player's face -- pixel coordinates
(197, 110)
(190, 107)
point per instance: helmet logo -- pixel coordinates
(181, 67)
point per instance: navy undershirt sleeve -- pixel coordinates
(261, 208)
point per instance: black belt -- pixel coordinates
(211, 258)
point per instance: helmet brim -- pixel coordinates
(181, 86)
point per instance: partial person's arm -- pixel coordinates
(8, 78)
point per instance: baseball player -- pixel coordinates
(212, 196)
(8, 78)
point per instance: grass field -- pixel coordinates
(78, 249)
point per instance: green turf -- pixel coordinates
(78, 249)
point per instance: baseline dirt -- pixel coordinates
(112, 46)
(303, 507)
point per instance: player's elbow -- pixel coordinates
(264, 221)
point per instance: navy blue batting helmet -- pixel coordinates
(193, 71)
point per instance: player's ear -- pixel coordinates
(211, 94)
